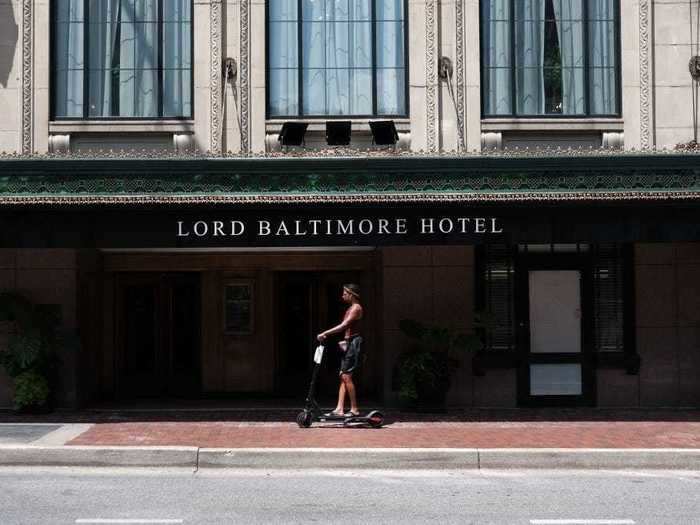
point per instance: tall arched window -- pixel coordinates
(336, 57)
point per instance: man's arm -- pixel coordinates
(354, 314)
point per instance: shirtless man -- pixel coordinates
(353, 346)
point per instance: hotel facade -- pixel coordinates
(192, 183)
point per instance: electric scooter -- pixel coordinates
(312, 412)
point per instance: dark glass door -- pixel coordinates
(158, 320)
(307, 303)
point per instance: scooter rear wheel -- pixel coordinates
(304, 419)
(375, 419)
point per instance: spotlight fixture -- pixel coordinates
(338, 132)
(292, 133)
(384, 132)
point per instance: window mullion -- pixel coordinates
(300, 58)
(513, 62)
(161, 52)
(86, 59)
(374, 58)
(586, 62)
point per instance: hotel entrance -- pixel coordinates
(158, 335)
(307, 303)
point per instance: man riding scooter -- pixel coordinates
(351, 346)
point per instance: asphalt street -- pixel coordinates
(72, 495)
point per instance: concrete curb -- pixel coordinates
(349, 458)
(87, 456)
(613, 459)
(339, 458)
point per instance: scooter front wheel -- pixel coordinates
(304, 419)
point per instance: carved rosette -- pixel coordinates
(245, 75)
(216, 82)
(27, 76)
(645, 73)
(431, 73)
(461, 116)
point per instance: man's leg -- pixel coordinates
(340, 407)
(350, 387)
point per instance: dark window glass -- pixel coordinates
(122, 58)
(336, 57)
(549, 57)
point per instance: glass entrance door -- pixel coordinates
(554, 369)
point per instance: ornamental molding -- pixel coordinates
(431, 77)
(645, 73)
(461, 114)
(245, 75)
(278, 184)
(263, 199)
(27, 76)
(216, 82)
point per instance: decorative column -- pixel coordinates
(431, 77)
(245, 75)
(216, 116)
(27, 76)
(461, 116)
(645, 75)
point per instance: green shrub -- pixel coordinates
(31, 389)
(31, 354)
(422, 371)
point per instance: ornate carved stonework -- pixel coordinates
(27, 76)
(431, 73)
(216, 82)
(461, 116)
(245, 75)
(645, 73)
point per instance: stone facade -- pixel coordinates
(657, 41)
(656, 45)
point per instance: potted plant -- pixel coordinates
(423, 370)
(29, 357)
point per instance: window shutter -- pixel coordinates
(608, 287)
(499, 304)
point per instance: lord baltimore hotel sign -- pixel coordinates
(347, 229)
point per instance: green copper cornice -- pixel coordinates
(402, 178)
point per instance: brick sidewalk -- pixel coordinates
(436, 434)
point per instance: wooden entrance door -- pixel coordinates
(158, 335)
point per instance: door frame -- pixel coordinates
(583, 263)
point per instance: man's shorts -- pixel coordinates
(351, 357)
